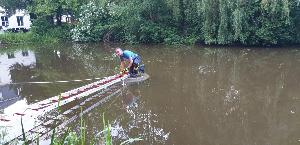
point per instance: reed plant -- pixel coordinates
(71, 138)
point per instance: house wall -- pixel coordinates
(12, 20)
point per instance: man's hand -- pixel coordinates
(124, 71)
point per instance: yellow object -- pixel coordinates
(124, 71)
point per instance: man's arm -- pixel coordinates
(130, 63)
(122, 65)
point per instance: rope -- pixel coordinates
(89, 79)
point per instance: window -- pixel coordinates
(20, 20)
(4, 20)
(68, 19)
(10, 55)
(25, 53)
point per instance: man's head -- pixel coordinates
(119, 51)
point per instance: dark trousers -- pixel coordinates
(135, 64)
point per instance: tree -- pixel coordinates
(210, 20)
(92, 23)
(11, 6)
(56, 8)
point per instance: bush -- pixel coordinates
(44, 28)
(41, 25)
(192, 39)
(171, 37)
(150, 33)
(92, 23)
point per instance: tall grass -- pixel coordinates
(82, 130)
(108, 140)
(25, 38)
(16, 37)
(71, 138)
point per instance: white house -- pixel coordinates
(18, 21)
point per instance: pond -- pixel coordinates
(195, 95)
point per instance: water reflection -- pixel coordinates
(130, 99)
(9, 60)
(217, 91)
(138, 122)
(9, 63)
(194, 95)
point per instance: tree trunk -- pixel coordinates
(58, 16)
(182, 16)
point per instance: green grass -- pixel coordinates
(71, 138)
(25, 38)
(16, 37)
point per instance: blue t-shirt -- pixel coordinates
(127, 55)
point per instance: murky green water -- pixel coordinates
(195, 95)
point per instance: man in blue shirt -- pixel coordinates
(133, 60)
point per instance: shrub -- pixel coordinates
(92, 23)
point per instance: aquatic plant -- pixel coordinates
(72, 138)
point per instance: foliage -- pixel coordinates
(92, 20)
(247, 22)
(42, 28)
(11, 5)
(55, 8)
(71, 138)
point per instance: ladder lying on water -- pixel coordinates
(36, 110)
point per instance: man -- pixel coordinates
(133, 60)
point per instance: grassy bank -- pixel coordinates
(25, 38)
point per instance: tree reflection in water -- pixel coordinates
(139, 121)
